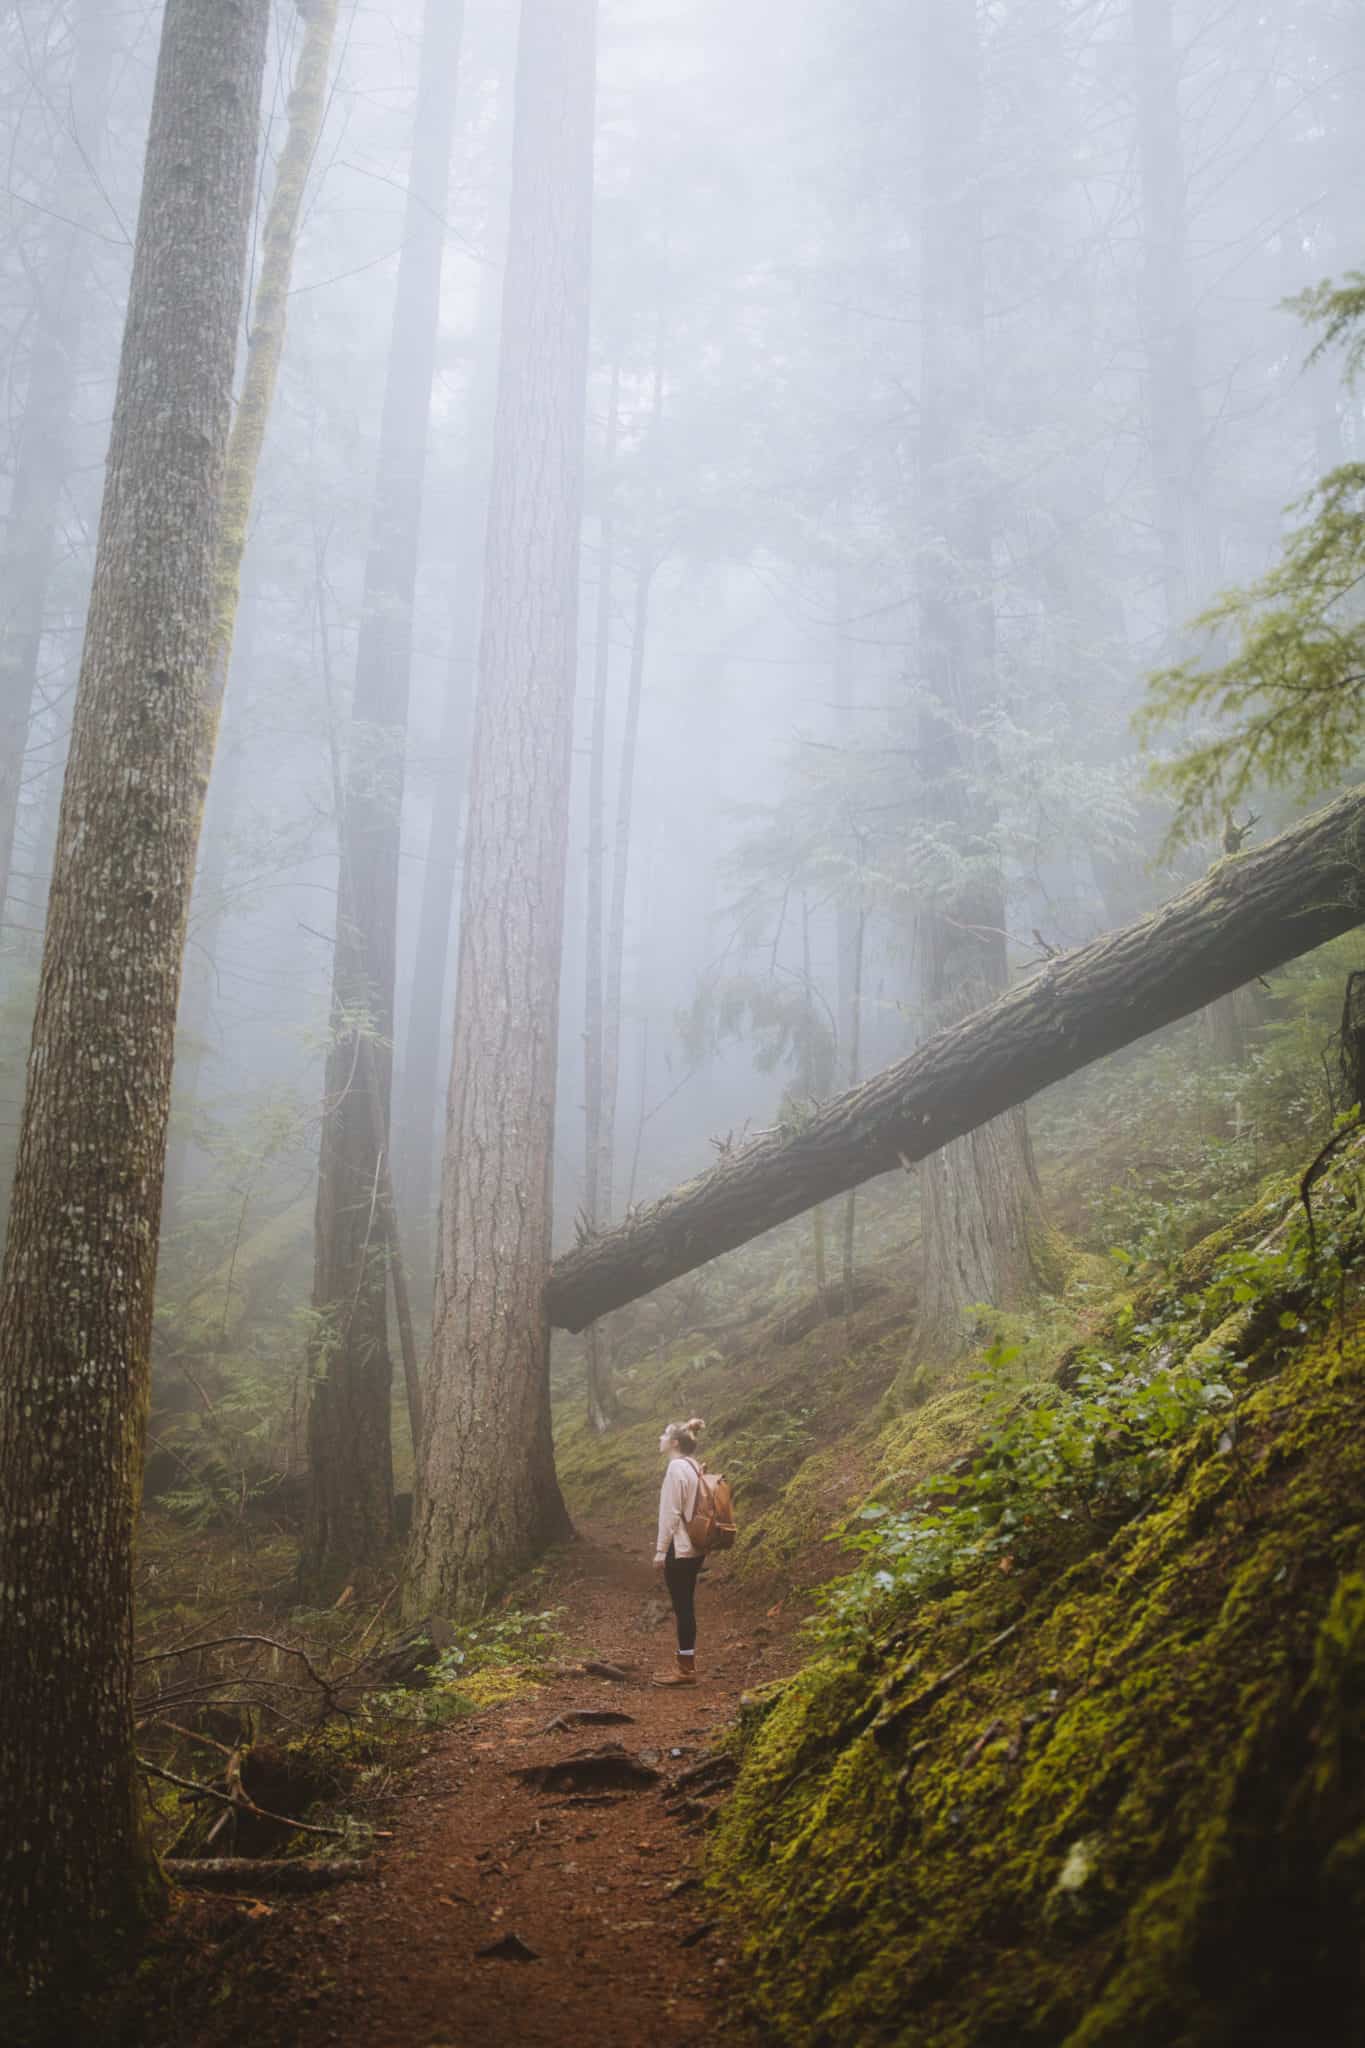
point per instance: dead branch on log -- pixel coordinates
(241, 1800)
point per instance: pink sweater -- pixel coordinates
(677, 1500)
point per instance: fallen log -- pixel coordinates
(253, 1873)
(1252, 912)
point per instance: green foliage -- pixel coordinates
(1088, 1453)
(1339, 310)
(1286, 708)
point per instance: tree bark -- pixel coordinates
(602, 1404)
(80, 1259)
(1248, 915)
(487, 1496)
(852, 947)
(982, 1211)
(850, 923)
(420, 1073)
(625, 817)
(42, 458)
(350, 1515)
(268, 328)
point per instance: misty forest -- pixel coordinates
(682, 732)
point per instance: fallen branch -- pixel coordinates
(249, 1873)
(222, 1642)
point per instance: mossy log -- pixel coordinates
(1249, 914)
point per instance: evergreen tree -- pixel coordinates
(80, 1255)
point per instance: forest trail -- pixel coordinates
(601, 1885)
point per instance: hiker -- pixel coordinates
(675, 1555)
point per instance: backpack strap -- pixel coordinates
(696, 1504)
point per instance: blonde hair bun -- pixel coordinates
(695, 1426)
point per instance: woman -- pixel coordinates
(673, 1553)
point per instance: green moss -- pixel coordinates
(1052, 1257)
(1138, 1821)
(492, 1685)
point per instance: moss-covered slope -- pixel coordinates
(1114, 1801)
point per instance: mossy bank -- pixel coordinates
(1107, 1788)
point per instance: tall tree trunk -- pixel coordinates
(224, 810)
(42, 460)
(812, 1090)
(625, 819)
(850, 929)
(602, 1404)
(487, 1495)
(420, 1073)
(419, 1083)
(350, 1510)
(980, 1198)
(265, 353)
(855, 940)
(80, 1258)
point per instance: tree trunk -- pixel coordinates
(487, 1496)
(625, 815)
(602, 1404)
(42, 459)
(80, 1260)
(981, 1203)
(853, 945)
(350, 1515)
(265, 352)
(210, 914)
(850, 924)
(420, 1076)
(1248, 915)
(419, 1089)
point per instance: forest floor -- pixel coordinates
(595, 1891)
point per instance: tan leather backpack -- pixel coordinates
(711, 1525)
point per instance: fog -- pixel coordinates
(1037, 252)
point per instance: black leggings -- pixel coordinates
(680, 1576)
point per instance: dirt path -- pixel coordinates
(600, 1885)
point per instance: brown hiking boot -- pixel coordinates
(686, 1673)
